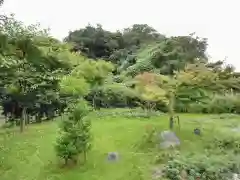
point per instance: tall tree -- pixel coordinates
(30, 69)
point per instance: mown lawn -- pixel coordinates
(30, 155)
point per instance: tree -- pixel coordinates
(95, 73)
(95, 42)
(156, 87)
(149, 91)
(169, 55)
(29, 68)
(139, 34)
(74, 137)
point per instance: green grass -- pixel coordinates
(31, 156)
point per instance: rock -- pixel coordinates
(184, 174)
(235, 176)
(237, 129)
(113, 156)
(197, 131)
(169, 139)
(157, 173)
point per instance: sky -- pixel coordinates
(217, 20)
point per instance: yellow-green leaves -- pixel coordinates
(197, 75)
(12, 89)
(74, 86)
(93, 71)
(149, 88)
(154, 94)
(119, 89)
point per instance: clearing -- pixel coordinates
(31, 156)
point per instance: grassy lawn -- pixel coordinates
(31, 156)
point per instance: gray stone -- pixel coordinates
(157, 173)
(113, 156)
(169, 139)
(235, 176)
(237, 129)
(197, 131)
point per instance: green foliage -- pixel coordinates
(33, 149)
(209, 103)
(225, 143)
(130, 113)
(73, 86)
(224, 104)
(169, 55)
(95, 42)
(29, 68)
(37, 70)
(150, 138)
(75, 135)
(202, 166)
(115, 93)
(94, 72)
(149, 90)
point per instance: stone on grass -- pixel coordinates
(113, 156)
(169, 139)
(157, 173)
(237, 129)
(235, 176)
(197, 131)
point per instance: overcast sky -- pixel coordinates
(217, 20)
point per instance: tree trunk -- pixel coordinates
(94, 101)
(23, 120)
(85, 156)
(171, 110)
(27, 119)
(66, 161)
(38, 118)
(171, 122)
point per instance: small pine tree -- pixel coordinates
(75, 135)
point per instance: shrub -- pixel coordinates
(74, 137)
(166, 156)
(130, 113)
(224, 144)
(217, 104)
(149, 139)
(204, 167)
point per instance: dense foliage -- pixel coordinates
(42, 77)
(138, 66)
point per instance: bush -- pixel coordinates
(74, 137)
(217, 104)
(130, 113)
(149, 138)
(225, 144)
(113, 95)
(203, 167)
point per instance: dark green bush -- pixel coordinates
(204, 167)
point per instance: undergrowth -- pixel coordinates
(219, 161)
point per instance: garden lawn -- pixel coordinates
(31, 156)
